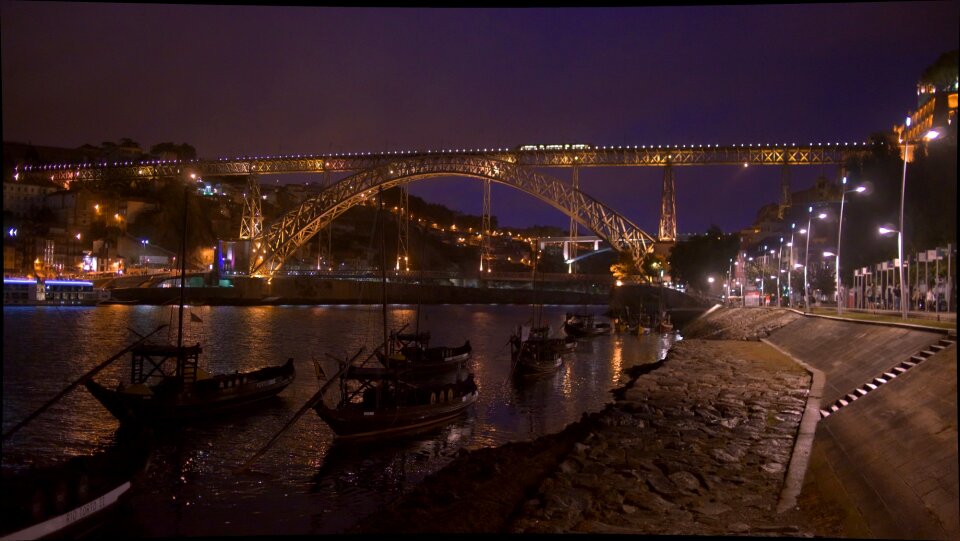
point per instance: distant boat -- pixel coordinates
(34, 292)
(167, 383)
(533, 352)
(411, 353)
(664, 326)
(645, 325)
(584, 326)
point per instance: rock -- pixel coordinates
(772, 467)
(712, 508)
(724, 456)
(685, 481)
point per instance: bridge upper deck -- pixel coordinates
(529, 155)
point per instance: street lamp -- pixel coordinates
(143, 249)
(930, 135)
(79, 249)
(729, 278)
(790, 267)
(779, 269)
(843, 193)
(806, 255)
(887, 231)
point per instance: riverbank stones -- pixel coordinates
(699, 446)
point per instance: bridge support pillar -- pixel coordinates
(485, 252)
(785, 196)
(403, 230)
(251, 224)
(571, 253)
(668, 207)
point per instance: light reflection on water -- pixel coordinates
(307, 483)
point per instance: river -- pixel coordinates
(306, 483)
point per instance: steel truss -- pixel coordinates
(595, 157)
(296, 227)
(251, 224)
(668, 207)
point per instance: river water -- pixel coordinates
(306, 483)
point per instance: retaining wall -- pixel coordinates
(886, 463)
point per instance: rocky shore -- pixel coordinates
(696, 444)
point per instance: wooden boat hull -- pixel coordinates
(586, 328)
(535, 357)
(530, 367)
(72, 499)
(355, 423)
(180, 402)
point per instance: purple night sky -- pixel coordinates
(235, 80)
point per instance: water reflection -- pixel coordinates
(307, 483)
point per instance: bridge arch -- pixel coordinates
(284, 236)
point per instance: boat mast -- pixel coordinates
(537, 309)
(383, 269)
(183, 268)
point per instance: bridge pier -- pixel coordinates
(668, 207)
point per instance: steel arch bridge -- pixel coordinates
(507, 166)
(283, 237)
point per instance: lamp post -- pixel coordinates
(79, 249)
(729, 278)
(790, 267)
(143, 249)
(843, 193)
(806, 255)
(887, 231)
(779, 269)
(930, 135)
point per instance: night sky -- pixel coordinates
(255, 80)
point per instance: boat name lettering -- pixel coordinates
(87, 509)
(267, 383)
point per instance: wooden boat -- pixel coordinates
(153, 396)
(664, 326)
(167, 384)
(534, 353)
(71, 499)
(412, 354)
(376, 402)
(583, 326)
(645, 325)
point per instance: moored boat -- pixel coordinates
(188, 392)
(376, 402)
(167, 383)
(412, 354)
(584, 326)
(664, 326)
(533, 352)
(41, 292)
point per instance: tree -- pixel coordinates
(694, 260)
(823, 280)
(182, 151)
(942, 73)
